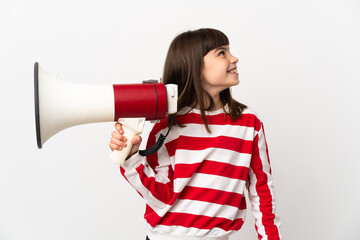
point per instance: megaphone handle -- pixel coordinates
(131, 128)
(119, 156)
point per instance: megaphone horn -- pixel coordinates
(60, 104)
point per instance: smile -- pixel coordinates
(233, 70)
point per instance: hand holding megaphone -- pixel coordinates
(128, 127)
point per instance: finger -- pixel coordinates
(136, 140)
(115, 134)
(114, 147)
(117, 142)
(119, 128)
(121, 141)
(118, 136)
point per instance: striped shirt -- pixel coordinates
(194, 185)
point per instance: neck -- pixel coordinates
(217, 101)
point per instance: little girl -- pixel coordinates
(194, 185)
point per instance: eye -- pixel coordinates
(221, 53)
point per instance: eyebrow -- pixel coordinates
(222, 48)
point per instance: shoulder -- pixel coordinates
(251, 112)
(251, 118)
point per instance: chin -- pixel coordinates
(234, 83)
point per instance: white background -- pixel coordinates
(299, 64)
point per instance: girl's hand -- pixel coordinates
(118, 140)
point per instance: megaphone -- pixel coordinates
(60, 105)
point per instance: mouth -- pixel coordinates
(233, 70)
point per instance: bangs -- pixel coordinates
(212, 38)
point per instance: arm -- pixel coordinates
(261, 190)
(151, 175)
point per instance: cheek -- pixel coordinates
(217, 75)
(210, 76)
(214, 72)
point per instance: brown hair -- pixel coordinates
(184, 64)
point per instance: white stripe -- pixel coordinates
(173, 134)
(199, 130)
(181, 231)
(206, 209)
(255, 203)
(213, 154)
(250, 112)
(211, 182)
(241, 214)
(262, 153)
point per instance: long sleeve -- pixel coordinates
(261, 189)
(151, 176)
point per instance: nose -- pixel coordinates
(234, 59)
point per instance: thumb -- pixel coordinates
(136, 140)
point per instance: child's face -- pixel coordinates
(219, 71)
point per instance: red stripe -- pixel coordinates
(200, 222)
(171, 147)
(214, 196)
(151, 216)
(161, 191)
(263, 191)
(185, 170)
(152, 159)
(224, 142)
(248, 120)
(212, 168)
(223, 169)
